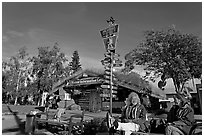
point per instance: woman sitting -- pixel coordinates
(133, 116)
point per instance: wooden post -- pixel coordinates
(111, 79)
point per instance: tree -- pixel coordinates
(75, 63)
(49, 67)
(5, 75)
(169, 54)
(17, 70)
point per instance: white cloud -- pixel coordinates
(36, 33)
(13, 33)
(5, 38)
(88, 62)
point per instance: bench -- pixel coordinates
(52, 119)
(57, 119)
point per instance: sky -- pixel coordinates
(76, 26)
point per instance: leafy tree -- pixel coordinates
(16, 71)
(75, 63)
(169, 54)
(5, 75)
(49, 67)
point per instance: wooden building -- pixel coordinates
(86, 89)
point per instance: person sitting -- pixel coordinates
(184, 120)
(133, 117)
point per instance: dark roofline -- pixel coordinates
(101, 74)
(78, 73)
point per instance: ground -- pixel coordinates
(14, 117)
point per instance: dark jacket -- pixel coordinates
(172, 114)
(137, 114)
(185, 117)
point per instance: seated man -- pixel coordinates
(184, 118)
(133, 116)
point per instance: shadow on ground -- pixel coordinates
(40, 108)
(21, 124)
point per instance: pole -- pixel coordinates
(111, 79)
(109, 38)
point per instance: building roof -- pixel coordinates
(135, 82)
(131, 81)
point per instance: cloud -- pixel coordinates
(13, 33)
(88, 62)
(34, 34)
(5, 38)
